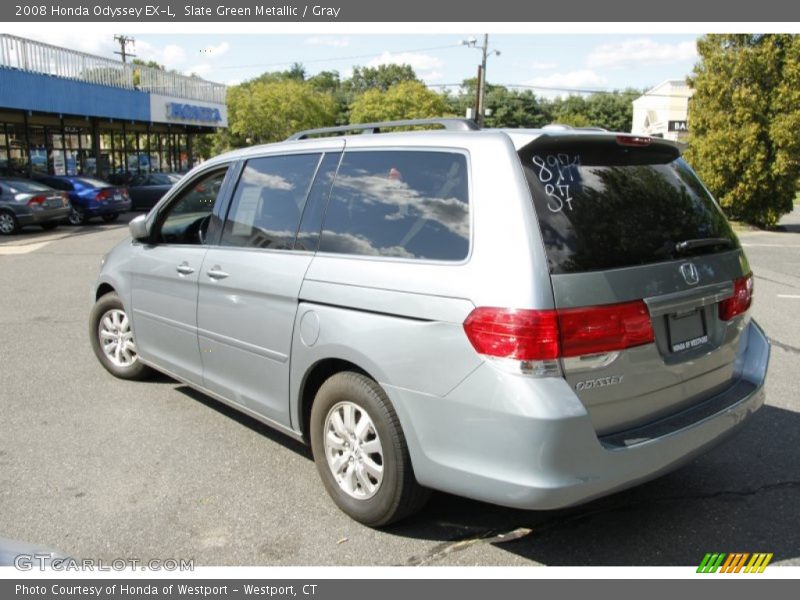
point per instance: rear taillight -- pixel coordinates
(740, 301)
(551, 334)
(37, 201)
(103, 195)
(517, 334)
(594, 329)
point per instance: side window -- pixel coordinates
(311, 223)
(407, 204)
(186, 219)
(269, 199)
(138, 180)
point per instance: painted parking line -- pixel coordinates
(9, 249)
(746, 245)
(790, 296)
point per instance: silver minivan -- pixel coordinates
(532, 318)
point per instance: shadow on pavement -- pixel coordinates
(743, 496)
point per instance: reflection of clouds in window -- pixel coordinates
(346, 243)
(450, 212)
(266, 180)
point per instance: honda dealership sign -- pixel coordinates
(169, 109)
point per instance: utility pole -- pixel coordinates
(482, 82)
(124, 40)
(480, 92)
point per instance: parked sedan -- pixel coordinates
(90, 197)
(25, 202)
(146, 189)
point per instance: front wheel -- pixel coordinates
(361, 453)
(110, 218)
(112, 339)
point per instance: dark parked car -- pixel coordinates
(25, 202)
(90, 197)
(146, 189)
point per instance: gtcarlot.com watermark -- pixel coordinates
(42, 562)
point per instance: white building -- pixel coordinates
(663, 111)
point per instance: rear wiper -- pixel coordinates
(702, 243)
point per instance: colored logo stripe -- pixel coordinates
(735, 562)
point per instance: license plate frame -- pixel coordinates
(686, 330)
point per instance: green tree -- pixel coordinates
(612, 111)
(269, 111)
(381, 77)
(404, 100)
(744, 118)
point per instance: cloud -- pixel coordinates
(202, 69)
(215, 51)
(578, 79)
(333, 42)
(173, 55)
(640, 52)
(426, 66)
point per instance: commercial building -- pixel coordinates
(67, 112)
(663, 111)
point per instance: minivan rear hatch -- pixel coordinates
(632, 234)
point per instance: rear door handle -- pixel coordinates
(184, 269)
(216, 273)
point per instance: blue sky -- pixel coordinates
(585, 61)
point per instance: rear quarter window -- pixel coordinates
(399, 203)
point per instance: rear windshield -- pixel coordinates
(19, 185)
(93, 183)
(602, 205)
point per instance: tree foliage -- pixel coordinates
(404, 100)
(612, 111)
(744, 118)
(269, 111)
(380, 78)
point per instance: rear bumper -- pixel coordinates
(47, 215)
(107, 208)
(529, 443)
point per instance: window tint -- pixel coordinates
(408, 204)
(138, 180)
(58, 184)
(604, 206)
(187, 218)
(269, 199)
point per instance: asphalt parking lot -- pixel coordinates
(103, 468)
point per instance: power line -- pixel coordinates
(565, 89)
(338, 58)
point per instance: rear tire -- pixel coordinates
(112, 339)
(8, 223)
(361, 453)
(111, 217)
(77, 216)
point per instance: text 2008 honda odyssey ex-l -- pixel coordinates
(532, 318)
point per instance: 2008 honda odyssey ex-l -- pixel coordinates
(532, 318)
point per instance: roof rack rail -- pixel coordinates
(450, 124)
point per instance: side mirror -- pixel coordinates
(138, 228)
